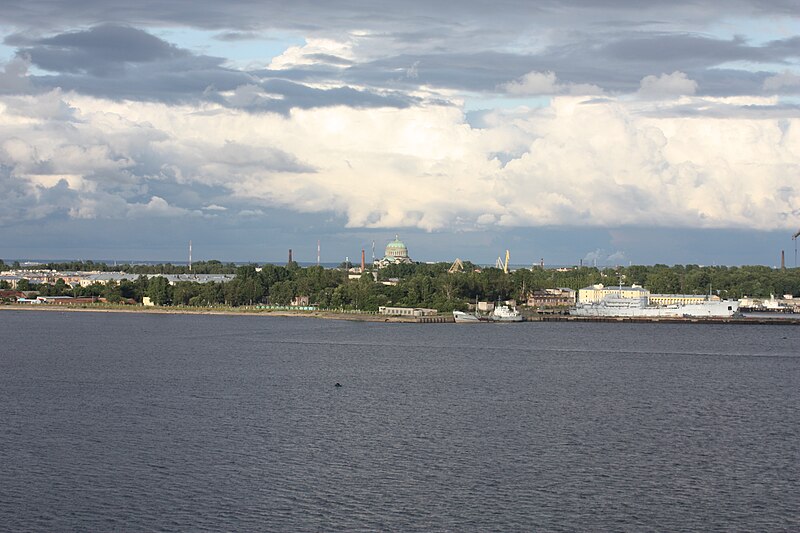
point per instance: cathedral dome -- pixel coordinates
(396, 248)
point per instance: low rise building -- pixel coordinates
(102, 278)
(407, 311)
(560, 297)
(299, 301)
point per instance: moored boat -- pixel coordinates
(639, 307)
(462, 317)
(501, 313)
(504, 313)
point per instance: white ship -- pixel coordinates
(462, 317)
(501, 313)
(504, 313)
(639, 307)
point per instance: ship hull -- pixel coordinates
(464, 318)
(617, 308)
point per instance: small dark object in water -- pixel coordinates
(338, 385)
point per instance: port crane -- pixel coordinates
(501, 264)
(457, 266)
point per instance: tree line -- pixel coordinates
(199, 267)
(430, 285)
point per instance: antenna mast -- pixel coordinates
(794, 238)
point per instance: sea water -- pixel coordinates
(133, 422)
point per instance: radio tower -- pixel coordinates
(317, 252)
(794, 238)
(190, 257)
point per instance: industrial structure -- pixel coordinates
(457, 266)
(794, 238)
(502, 264)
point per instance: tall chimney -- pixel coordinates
(783, 260)
(290, 255)
(363, 261)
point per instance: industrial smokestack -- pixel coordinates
(363, 260)
(783, 260)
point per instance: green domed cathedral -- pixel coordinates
(396, 253)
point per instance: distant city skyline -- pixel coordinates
(609, 131)
(720, 248)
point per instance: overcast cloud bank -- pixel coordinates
(486, 119)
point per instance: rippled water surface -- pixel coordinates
(164, 422)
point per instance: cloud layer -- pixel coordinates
(578, 161)
(570, 114)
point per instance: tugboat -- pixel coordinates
(504, 313)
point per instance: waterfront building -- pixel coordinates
(596, 293)
(407, 311)
(560, 297)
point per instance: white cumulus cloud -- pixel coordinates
(667, 85)
(577, 161)
(546, 83)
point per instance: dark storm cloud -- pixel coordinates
(474, 48)
(330, 59)
(234, 36)
(99, 50)
(23, 202)
(295, 95)
(411, 15)
(177, 80)
(120, 62)
(616, 64)
(689, 50)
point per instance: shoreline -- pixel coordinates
(361, 317)
(324, 315)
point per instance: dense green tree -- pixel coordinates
(159, 291)
(184, 291)
(112, 292)
(281, 292)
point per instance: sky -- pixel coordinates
(606, 132)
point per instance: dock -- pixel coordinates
(437, 319)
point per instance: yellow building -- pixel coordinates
(596, 293)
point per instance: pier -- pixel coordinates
(438, 319)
